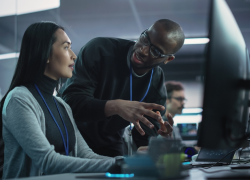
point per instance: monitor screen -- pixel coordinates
(225, 103)
(188, 131)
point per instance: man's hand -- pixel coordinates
(134, 111)
(166, 127)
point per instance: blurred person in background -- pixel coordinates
(175, 103)
(117, 82)
(39, 132)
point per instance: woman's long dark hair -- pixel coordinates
(35, 50)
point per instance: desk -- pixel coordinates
(194, 174)
(216, 172)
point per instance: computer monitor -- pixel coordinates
(225, 103)
(188, 131)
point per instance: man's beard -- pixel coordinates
(145, 66)
(181, 108)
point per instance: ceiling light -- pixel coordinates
(191, 110)
(9, 56)
(26, 6)
(196, 40)
(187, 119)
(187, 40)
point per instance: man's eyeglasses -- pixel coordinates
(180, 99)
(154, 51)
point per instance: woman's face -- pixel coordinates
(61, 61)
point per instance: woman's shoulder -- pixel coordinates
(21, 98)
(20, 93)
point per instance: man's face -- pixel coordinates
(142, 58)
(176, 103)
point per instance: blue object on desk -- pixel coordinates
(186, 163)
(119, 175)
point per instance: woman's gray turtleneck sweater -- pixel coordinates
(28, 152)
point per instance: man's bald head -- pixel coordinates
(174, 34)
(157, 45)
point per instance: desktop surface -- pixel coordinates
(219, 172)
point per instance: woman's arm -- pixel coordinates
(22, 122)
(84, 151)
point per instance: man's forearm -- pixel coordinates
(111, 108)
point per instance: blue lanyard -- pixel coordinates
(66, 147)
(131, 86)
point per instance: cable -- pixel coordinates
(220, 159)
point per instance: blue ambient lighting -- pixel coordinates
(119, 175)
(186, 163)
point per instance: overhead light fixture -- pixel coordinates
(196, 40)
(9, 56)
(18, 7)
(187, 119)
(191, 110)
(187, 40)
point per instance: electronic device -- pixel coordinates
(226, 79)
(209, 157)
(188, 131)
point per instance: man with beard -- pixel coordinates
(116, 82)
(175, 102)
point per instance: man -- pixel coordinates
(175, 102)
(112, 76)
(175, 98)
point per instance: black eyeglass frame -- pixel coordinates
(180, 99)
(150, 45)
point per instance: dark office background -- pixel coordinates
(86, 19)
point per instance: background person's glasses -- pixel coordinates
(154, 51)
(180, 99)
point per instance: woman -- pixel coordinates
(39, 132)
